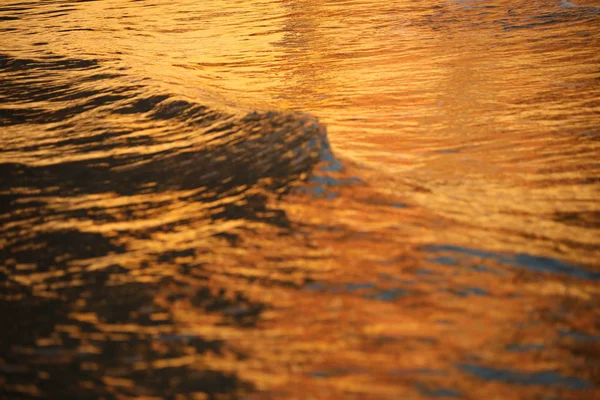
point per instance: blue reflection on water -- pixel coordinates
(523, 348)
(319, 186)
(543, 378)
(386, 295)
(519, 260)
(472, 291)
(351, 287)
(579, 336)
(439, 392)
(368, 290)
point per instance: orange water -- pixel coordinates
(160, 239)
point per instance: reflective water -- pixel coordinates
(176, 222)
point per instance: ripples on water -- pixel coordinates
(166, 234)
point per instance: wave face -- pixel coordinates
(76, 201)
(175, 224)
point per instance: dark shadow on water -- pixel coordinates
(82, 332)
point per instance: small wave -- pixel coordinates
(108, 168)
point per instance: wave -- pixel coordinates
(158, 240)
(172, 144)
(98, 171)
(84, 148)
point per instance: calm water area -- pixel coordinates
(300, 199)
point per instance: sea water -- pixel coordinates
(297, 199)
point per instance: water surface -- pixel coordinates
(284, 199)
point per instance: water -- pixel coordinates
(282, 199)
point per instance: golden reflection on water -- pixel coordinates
(454, 255)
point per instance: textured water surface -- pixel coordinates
(283, 199)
